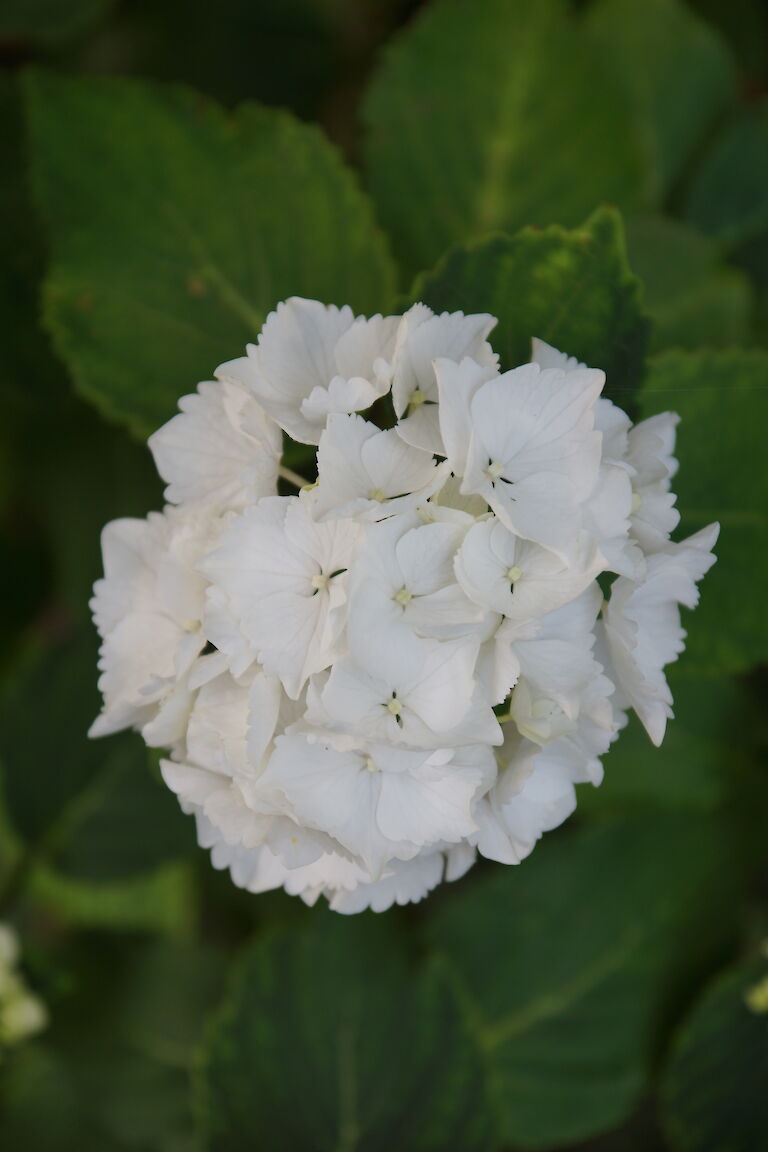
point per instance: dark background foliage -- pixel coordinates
(595, 174)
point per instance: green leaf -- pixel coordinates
(170, 988)
(113, 1068)
(91, 808)
(141, 1064)
(127, 823)
(39, 1108)
(48, 763)
(722, 398)
(744, 23)
(26, 567)
(86, 473)
(692, 297)
(572, 289)
(176, 227)
(728, 197)
(678, 73)
(332, 1011)
(714, 1090)
(690, 769)
(491, 116)
(564, 966)
(27, 368)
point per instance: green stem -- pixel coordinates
(293, 477)
(16, 878)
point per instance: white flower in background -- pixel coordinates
(363, 686)
(22, 1014)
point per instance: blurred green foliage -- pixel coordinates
(595, 173)
(574, 288)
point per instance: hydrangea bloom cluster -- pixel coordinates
(409, 660)
(22, 1014)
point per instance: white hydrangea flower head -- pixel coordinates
(363, 684)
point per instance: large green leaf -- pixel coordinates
(90, 807)
(677, 72)
(717, 1079)
(39, 1107)
(127, 823)
(573, 289)
(691, 768)
(137, 1066)
(175, 227)
(28, 371)
(494, 115)
(45, 713)
(85, 473)
(693, 298)
(564, 964)
(331, 1014)
(722, 398)
(729, 194)
(112, 1071)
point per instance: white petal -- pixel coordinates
(296, 353)
(427, 805)
(366, 347)
(546, 356)
(364, 471)
(423, 337)
(406, 883)
(221, 449)
(642, 624)
(457, 384)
